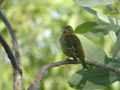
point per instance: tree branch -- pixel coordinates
(13, 36)
(10, 54)
(56, 64)
(17, 77)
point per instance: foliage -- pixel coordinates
(43, 21)
(98, 28)
(93, 78)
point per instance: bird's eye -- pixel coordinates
(66, 30)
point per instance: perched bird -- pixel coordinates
(71, 45)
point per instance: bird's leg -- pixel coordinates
(67, 58)
(75, 59)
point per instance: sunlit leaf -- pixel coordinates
(102, 17)
(117, 46)
(88, 3)
(92, 51)
(113, 35)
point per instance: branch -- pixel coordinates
(56, 64)
(13, 36)
(17, 77)
(10, 54)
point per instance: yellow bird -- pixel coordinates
(71, 45)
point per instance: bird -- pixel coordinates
(71, 45)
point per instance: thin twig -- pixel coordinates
(17, 77)
(56, 64)
(10, 54)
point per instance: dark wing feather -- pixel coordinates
(70, 47)
(74, 46)
(77, 46)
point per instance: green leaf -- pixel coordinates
(89, 3)
(98, 28)
(117, 46)
(92, 79)
(114, 62)
(113, 35)
(91, 50)
(111, 9)
(108, 19)
(92, 29)
(114, 22)
(90, 10)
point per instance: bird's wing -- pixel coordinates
(77, 47)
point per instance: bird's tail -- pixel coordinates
(84, 64)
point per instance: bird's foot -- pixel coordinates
(75, 59)
(67, 59)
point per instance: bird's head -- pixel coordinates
(68, 29)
